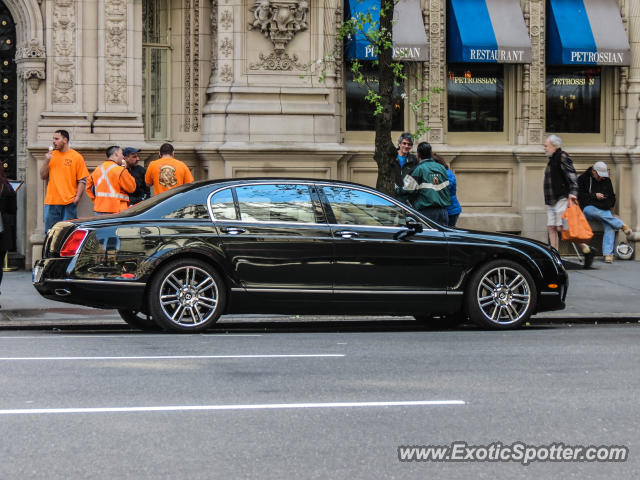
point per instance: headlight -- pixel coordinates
(556, 256)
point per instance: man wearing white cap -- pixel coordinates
(596, 197)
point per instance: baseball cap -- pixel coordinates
(129, 150)
(601, 169)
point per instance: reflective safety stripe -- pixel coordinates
(112, 192)
(410, 184)
(112, 195)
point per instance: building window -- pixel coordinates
(155, 69)
(359, 110)
(475, 98)
(573, 99)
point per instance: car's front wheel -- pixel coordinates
(501, 295)
(138, 320)
(187, 295)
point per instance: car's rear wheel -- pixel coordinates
(187, 295)
(138, 320)
(501, 295)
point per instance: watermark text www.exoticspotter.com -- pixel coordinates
(515, 452)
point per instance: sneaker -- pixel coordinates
(626, 229)
(608, 259)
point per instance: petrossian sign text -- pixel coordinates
(481, 80)
(398, 52)
(562, 81)
(597, 57)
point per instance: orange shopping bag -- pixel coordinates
(575, 227)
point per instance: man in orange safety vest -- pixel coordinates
(110, 183)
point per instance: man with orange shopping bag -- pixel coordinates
(560, 187)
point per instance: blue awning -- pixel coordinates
(486, 31)
(410, 41)
(586, 32)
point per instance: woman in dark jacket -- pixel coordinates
(7, 216)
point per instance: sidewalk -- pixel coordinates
(606, 292)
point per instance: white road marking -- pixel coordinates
(196, 408)
(172, 357)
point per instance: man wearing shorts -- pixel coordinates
(560, 187)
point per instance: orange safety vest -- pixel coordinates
(109, 181)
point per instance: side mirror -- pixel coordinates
(413, 224)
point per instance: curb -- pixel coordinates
(87, 318)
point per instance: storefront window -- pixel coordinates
(475, 98)
(359, 110)
(573, 99)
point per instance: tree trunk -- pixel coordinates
(385, 149)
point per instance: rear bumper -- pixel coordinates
(49, 279)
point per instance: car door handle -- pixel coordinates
(347, 233)
(233, 230)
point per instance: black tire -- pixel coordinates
(501, 295)
(139, 320)
(441, 322)
(187, 296)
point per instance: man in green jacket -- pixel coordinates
(428, 187)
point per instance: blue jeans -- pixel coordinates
(610, 223)
(58, 213)
(437, 214)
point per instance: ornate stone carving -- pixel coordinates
(214, 40)
(196, 66)
(115, 82)
(338, 47)
(64, 51)
(63, 81)
(187, 65)
(30, 60)
(279, 20)
(33, 77)
(115, 43)
(226, 47)
(535, 19)
(226, 19)
(191, 65)
(33, 50)
(434, 72)
(226, 73)
(277, 61)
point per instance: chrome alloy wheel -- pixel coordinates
(188, 296)
(503, 295)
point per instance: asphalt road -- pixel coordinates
(316, 403)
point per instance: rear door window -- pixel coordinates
(275, 203)
(222, 205)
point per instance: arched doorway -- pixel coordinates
(8, 92)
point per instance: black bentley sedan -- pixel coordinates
(294, 246)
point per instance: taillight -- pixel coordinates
(72, 243)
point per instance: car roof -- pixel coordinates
(229, 182)
(275, 179)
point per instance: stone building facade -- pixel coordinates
(236, 86)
